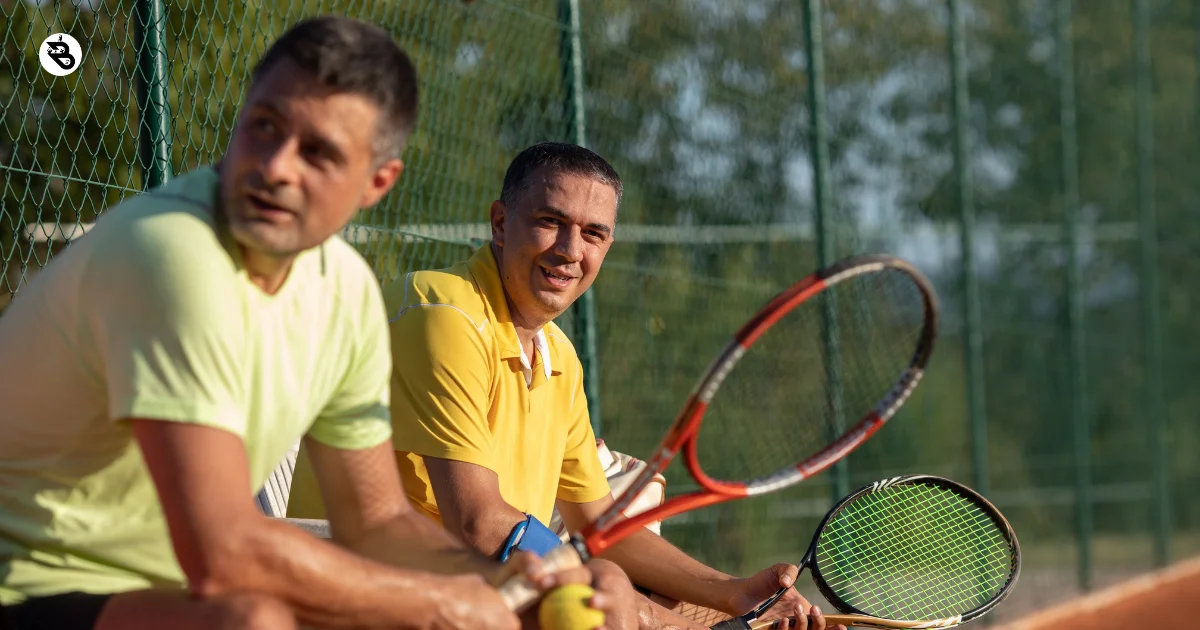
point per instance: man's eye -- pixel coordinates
(314, 153)
(263, 124)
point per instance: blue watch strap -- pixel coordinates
(538, 538)
(530, 535)
(514, 538)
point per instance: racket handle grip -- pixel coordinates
(737, 623)
(519, 593)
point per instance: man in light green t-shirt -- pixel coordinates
(153, 375)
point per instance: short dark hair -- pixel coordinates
(352, 56)
(558, 157)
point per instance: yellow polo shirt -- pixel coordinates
(459, 392)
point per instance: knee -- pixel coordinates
(255, 612)
(609, 575)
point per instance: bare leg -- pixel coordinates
(179, 610)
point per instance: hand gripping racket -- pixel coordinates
(915, 551)
(854, 336)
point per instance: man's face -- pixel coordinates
(552, 242)
(300, 163)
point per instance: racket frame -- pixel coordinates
(862, 618)
(612, 526)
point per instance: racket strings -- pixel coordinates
(953, 594)
(914, 552)
(892, 601)
(812, 375)
(921, 564)
(925, 562)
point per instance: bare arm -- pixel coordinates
(224, 545)
(654, 563)
(369, 514)
(468, 497)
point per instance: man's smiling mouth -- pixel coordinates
(556, 279)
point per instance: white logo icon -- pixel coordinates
(60, 54)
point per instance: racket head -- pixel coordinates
(886, 326)
(951, 555)
(682, 435)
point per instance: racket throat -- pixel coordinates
(580, 547)
(772, 600)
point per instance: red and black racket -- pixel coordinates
(852, 338)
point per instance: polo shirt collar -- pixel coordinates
(486, 273)
(543, 353)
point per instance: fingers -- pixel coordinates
(787, 573)
(614, 596)
(800, 619)
(816, 620)
(527, 565)
(576, 575)
(532, 568)
(789, 604)
(608, 590)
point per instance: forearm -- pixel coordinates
(653, 563)
(324, 585)
(414, 541)
(486, 529)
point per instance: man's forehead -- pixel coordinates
(565, 182)
(287, 89)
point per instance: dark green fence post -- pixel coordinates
(1077, 385)
(819, 152)
(1151, 321)
(973, 327)
(584, 310)
(154, 128)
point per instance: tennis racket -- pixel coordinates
(915, 551)
(854, 336)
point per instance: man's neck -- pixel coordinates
(525, 336)
(266, 272)
(526, 330)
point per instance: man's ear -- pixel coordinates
(381, 182)
(499, 212)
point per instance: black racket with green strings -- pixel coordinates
(915, 551)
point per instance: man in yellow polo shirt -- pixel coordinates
(156, 371)
(491, 422)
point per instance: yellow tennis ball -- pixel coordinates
(566, 608)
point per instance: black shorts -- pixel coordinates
(67, 611)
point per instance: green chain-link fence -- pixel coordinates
(1049, 146)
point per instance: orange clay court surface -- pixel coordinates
(1164, 600)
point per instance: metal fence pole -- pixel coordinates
(584, 309)
(1151, 320)
(1077, 385)
(154, 127)
(973, 327)
(819, 152)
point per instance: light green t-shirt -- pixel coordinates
(150, 315)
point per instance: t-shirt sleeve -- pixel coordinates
(357, 414)
(582, 479)
(169, 339)
(442, 380)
